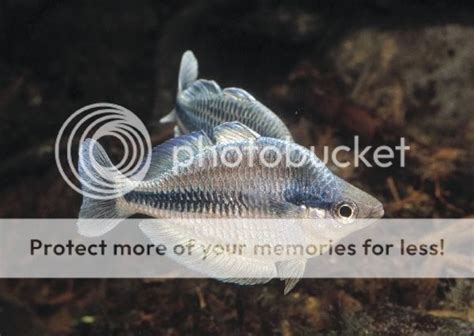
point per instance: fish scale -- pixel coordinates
(202, 105)
(207, 188)
(239, 181)
(219, 108)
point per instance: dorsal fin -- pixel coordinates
(188, 71)
(238, 93)
(234, 131)
(163, 155)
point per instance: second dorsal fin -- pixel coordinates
(238, 94)
(234, 131)
(163, 156)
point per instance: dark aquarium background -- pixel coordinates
(379, 69)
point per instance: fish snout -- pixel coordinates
(377, 211)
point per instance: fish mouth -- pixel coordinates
(377, 212)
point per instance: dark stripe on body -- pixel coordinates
(229, 203)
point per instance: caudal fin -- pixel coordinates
(188, 71)
(101, 184)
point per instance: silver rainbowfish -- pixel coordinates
(197, 185)
(202, 105)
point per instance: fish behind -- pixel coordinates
(208, 188)
(202, 105)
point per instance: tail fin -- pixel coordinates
(101, 181)
(188, 71)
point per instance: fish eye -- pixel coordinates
(346, 211)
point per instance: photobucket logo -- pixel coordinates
(96, 179)
(287, 154)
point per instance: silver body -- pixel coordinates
(249, 190)
(209, 187)
(202, 105)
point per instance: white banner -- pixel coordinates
(238, 248)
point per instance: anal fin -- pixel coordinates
(241, 268)
(169, 118)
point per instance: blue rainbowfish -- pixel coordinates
(232, 174)
(202, 105)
